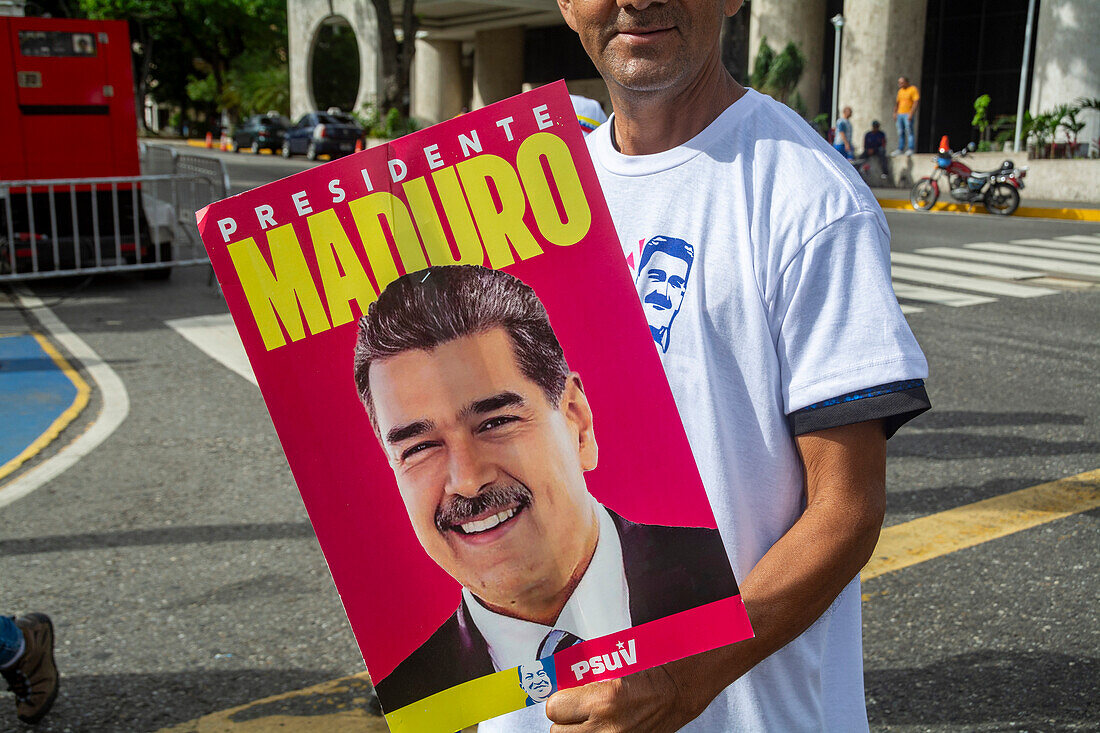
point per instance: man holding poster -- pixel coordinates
(789, 359)
(489, 435)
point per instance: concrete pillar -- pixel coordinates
(304, 19)
(437, 89)
(1067, 60)
(883, 40)
(784, 21)
(498, 65)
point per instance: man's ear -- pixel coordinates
(566, 8)
(575, 407)
(729, 6)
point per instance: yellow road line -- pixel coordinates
(337, 706)
(900, 546)
(1037, 212)
(63, 420)
(939, 534)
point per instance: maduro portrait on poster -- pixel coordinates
(444, 328)
(490, 434)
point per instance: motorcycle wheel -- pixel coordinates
(924, 194)
(1002, 199)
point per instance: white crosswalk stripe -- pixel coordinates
(1028, 251)
(1050, 265)
(1059, 246)
(970, 268)
(941, 297)
(961, 282)
(966, 275)
(216, 337)
(1082, 238)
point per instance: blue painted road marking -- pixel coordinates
(34, 393)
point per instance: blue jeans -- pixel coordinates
(905, 134)
(11, 641)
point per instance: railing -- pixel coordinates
(57, 227)
(50, 228)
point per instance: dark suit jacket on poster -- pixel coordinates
(668, 570)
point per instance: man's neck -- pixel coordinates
(652, 122)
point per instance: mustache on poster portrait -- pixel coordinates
(460, 509)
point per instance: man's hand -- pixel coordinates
(791, 586)
(647, 702)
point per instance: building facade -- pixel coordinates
(470, 53)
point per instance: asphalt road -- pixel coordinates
(184, 578)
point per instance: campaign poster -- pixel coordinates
(453, 352)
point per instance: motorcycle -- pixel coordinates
(998, 190)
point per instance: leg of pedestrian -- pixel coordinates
(27, 664)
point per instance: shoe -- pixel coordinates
(34, 678)
(895, 153)
(908, 153)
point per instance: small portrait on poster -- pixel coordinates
(538, 680)
(490, 435)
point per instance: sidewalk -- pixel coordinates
(898, 198)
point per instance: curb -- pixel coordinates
(1034, 212)
(202, 144)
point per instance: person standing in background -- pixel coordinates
(905, 111)
(843, 140)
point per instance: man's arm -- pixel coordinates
(791, 586)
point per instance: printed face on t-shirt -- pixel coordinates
(662, 282)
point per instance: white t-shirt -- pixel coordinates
(787, 302)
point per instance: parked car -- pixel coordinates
(260, 132)
(319, 133)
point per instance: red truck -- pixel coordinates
(67, 115)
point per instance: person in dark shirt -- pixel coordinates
(874, 144)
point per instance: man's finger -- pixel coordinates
(566, 707)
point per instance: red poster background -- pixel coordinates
(394, 595)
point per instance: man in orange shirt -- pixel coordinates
(905, 111)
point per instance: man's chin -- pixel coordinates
(645, 73)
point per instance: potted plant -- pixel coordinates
(981, 121)
(1093, 103)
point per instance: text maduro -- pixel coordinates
(481, 210)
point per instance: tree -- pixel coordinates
(176, 38)
(981, 121)
(777, 74)
(396, 56)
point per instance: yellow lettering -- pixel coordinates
(368, 212)
(498, 228)
(457, 215)
(578, 216)
(283, 293)
(335, 254)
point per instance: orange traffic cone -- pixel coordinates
(945, 144)
(359, 145)
(224, 143)
(209, 139)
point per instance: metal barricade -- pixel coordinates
(50, 228)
